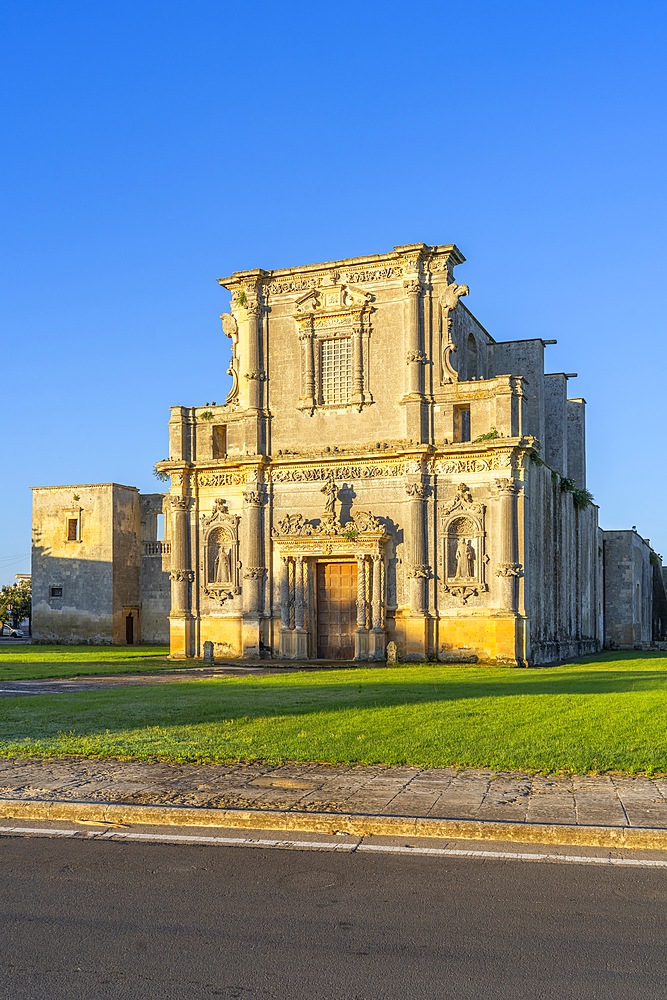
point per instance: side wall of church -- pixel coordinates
(562, 579)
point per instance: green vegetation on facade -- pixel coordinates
(603, 713)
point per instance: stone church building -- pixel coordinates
(382, 470)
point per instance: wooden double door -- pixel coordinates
(336, 610)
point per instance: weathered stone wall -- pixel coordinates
(562, 581)
(628, 592)
(85, 587)
(73, 578)
(155, 563)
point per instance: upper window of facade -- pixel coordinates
(336, 370)
(72, 529)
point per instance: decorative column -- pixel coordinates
(357, 364)
(415, 356)
(419, 570)
(254, 373)
(253, 575)
(377, 636)
(307, 400)
(181, 622)
(509, 570)
(361, 636)
(300, 632)
(286, 651)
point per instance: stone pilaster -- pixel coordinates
(415, 355)
(254, 571)
(254, 374)
(181, 621)
(418, 571)
(508, 569)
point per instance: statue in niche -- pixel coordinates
(219, 561)
(465, 559)
(330, 491)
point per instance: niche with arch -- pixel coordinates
(220, 555)
(463, 556)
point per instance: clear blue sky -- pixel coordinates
(149, 148)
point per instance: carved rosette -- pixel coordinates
(509, 569)
(179, 503)
(252, 498)
(182, 576)
(416, 491)
(254, 572)
(419, 571)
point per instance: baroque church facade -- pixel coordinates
(382, 470)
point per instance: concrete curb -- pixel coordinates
(638, 838)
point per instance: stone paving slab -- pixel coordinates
(606, 800)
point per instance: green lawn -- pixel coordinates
(604, 713)
(22, 662)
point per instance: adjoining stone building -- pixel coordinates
(99, 572)
(382, 470)
(635, 600)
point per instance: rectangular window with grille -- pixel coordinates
(336, 370)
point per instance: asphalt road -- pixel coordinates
(89, 919)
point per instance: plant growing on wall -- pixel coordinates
(206, 415)
(489, 436)
(581, 497)
(160, 474)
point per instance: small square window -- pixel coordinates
(219, 443)
(461, 424)
(55, 591)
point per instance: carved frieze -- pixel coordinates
(236, 478)
(457, 466)
(308, 474)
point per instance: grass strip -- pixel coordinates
(605, 714)
(27, 662)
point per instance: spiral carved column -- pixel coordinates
(377, 634)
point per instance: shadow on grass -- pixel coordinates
(217, 701)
